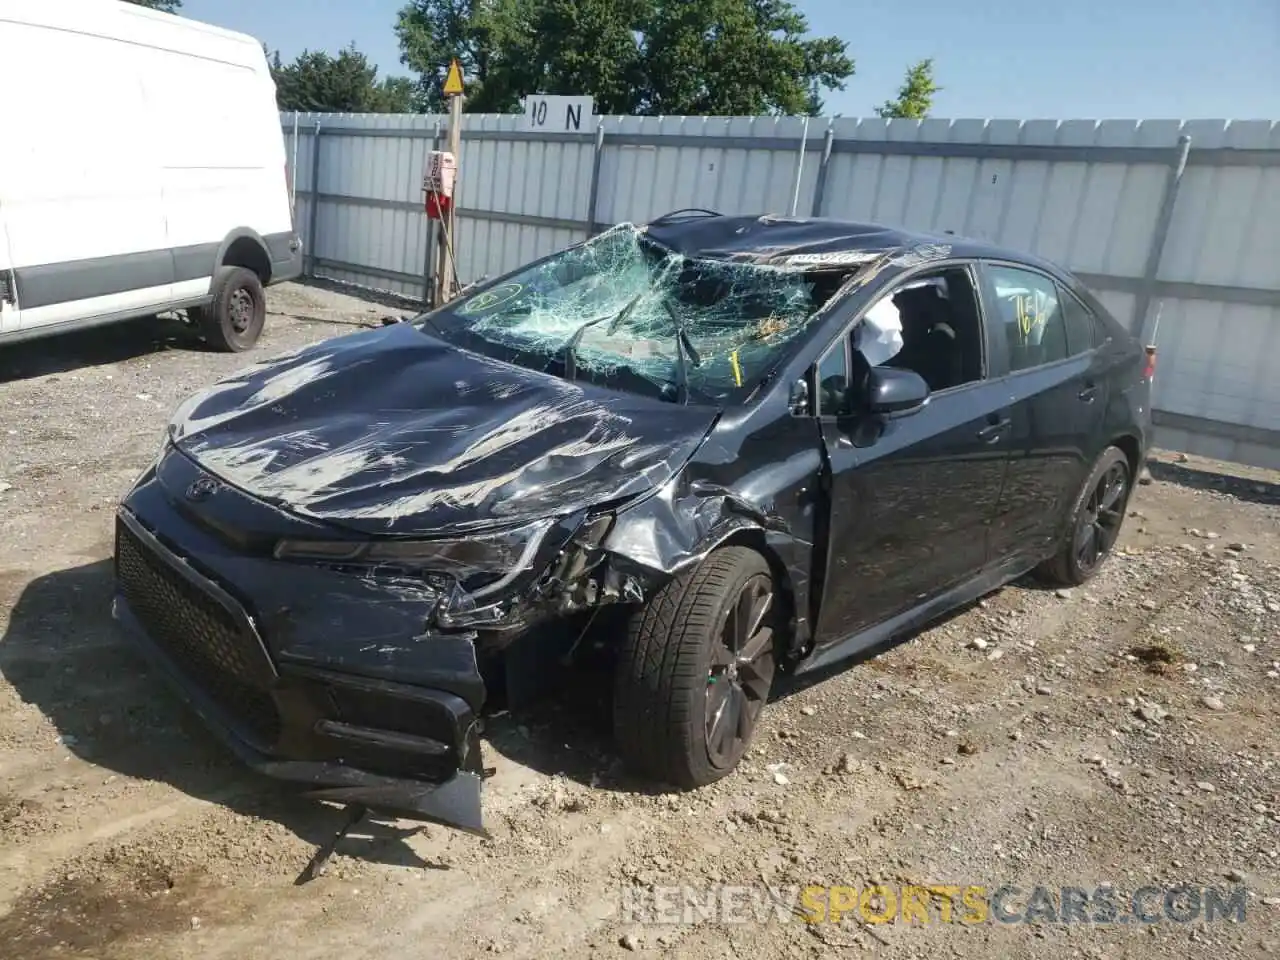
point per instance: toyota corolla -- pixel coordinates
(746, 444)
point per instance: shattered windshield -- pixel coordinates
(621, 310)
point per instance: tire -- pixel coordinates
(1098, 514)
(680, 685)
(233, 322)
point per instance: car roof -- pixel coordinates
(815, 242)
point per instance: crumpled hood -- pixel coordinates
(394, 431)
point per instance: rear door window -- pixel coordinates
(1030, 310)
(1082, 326)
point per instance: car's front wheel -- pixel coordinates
(695, 670)
(1095, 522)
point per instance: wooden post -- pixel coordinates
(446, 287)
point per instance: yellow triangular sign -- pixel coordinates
(453, 82)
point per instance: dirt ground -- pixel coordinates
(1122, 734)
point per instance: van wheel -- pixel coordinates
(695, 670)
(233, 321)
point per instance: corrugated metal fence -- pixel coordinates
(1167, 221)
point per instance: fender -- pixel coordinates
(668, 534)
(241, 233)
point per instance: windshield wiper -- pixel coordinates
(686, 353)
(571, 345)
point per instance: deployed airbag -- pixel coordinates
(879, 335)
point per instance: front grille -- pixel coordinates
(199, 635)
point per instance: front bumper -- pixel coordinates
(387, 720)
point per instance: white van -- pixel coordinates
(142, 170)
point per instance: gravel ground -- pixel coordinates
(1119, 734)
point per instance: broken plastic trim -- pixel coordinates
(507, 553)
(454, 803)
(575, 577)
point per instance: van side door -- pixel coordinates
(213, 184)
(82, 189)
(10, 315)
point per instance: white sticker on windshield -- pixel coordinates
(491, 299)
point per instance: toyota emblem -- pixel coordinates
(202, 489)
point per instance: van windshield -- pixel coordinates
(620, 310)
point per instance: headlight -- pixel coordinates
(483, 563)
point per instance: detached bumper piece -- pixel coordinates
(373, 743)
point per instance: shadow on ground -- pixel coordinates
(397, 307)
(568, 730)
(401, 304)
(63, 653)
(1242, 488)
(112, 343)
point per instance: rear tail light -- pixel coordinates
(1149, 371)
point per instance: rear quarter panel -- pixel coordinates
(1129, 397)
(1121, 360)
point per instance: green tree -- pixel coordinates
(491, 39)
(738, 57)
(731, 57)
(348, 83)
(611, 67)
(168, 6)
(394, 95)
(915, 96)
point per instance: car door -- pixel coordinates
(1057, 397)
(910, 497)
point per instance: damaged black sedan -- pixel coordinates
(748, 445)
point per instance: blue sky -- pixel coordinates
(1082, 59)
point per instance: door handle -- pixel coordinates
(1089, 393)
(993, 432)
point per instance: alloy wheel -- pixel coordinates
(1100, 521)
(741, 673)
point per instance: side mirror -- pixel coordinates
(798, 400)
(890, 390)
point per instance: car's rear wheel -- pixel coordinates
(1095, 522)
(233, 321)
(695, 670)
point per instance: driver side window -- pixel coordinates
(941, 328)
(832, 376)
(929, 324)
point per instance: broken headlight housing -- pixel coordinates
(481, 564)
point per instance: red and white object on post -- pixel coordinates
(437, 183)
